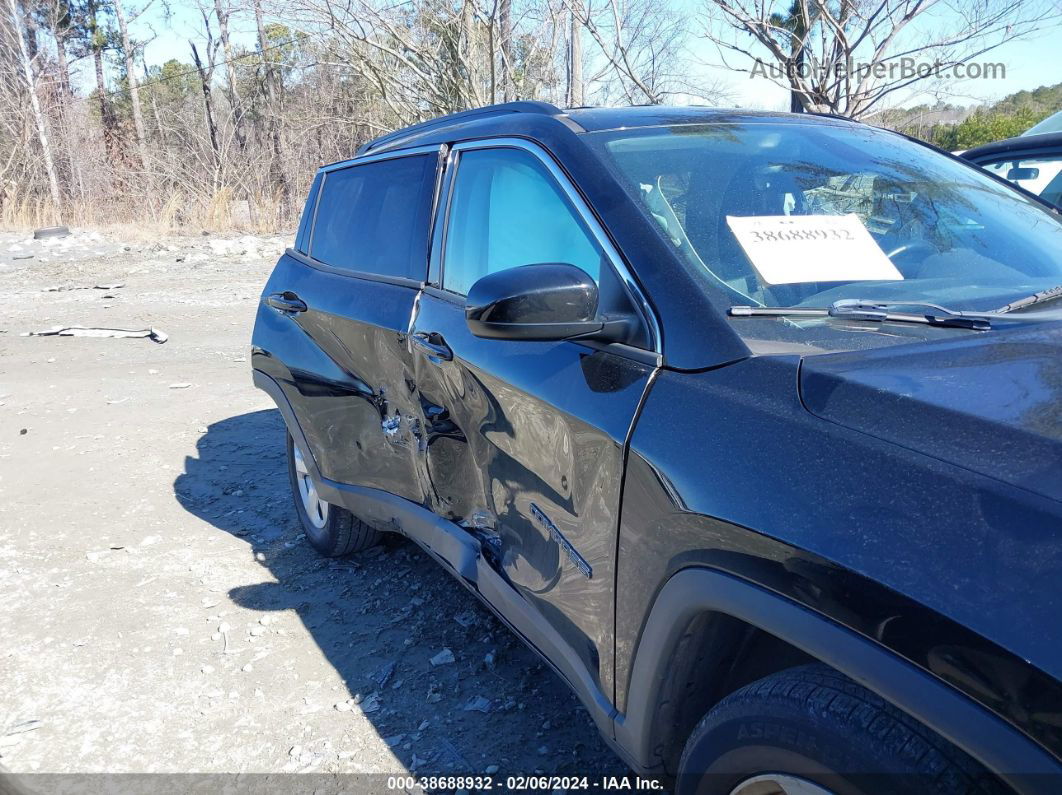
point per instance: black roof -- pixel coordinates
(391, 139)
(584, 119)
(596, 119)
(1023, 143)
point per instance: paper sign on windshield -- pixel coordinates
(788, 249)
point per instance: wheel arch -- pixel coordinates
(700, 614)
(272, 388)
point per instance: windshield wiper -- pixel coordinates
(864, 309)
(1036, 298)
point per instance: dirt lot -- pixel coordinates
(160, 612)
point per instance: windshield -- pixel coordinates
(799, 213)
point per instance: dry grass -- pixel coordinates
(25, 211)
(173, 212)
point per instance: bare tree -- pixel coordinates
(796, 22)
(505, 35)
(29, 34)
(849, 56)
(575, 56)
(206, 75)
(97, 40)
(35, 104)
(273, 92)
(326, 76)
(638, 47)
(426, 57)
(420, 59)
(60, 24)
(222, 12)
(128, 53)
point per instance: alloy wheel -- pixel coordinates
(315, 507)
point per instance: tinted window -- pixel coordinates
(374, 218)
(302, 237)
(507, 211)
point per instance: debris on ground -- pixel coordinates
(370, 704)
(67, 287)
(466, 618)
(51, 231)
(22, 727)
(445, 657)
(477, 704)
(384, 674)
(153, 334)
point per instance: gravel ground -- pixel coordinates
(161, 612)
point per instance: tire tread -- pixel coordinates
(351, 534)
(824, 694)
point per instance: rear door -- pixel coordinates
(525, 439)
(334, 317)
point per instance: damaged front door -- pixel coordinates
(525, 439)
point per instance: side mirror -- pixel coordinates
(547, 301)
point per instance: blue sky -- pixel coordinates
(1029, 63)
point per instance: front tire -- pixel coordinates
(331, 529)
(812, 731)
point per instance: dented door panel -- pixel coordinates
(524, 447)
(346, 369)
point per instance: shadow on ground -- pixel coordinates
(380, 617)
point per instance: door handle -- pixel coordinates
(433, 344)
(286, 301)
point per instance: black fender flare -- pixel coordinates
(691, 592)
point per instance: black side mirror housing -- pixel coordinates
(545, 301)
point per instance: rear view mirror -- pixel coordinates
(1022, 174)
(547, 301)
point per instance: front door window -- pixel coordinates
(507, 211)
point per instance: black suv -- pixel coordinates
(750, 424)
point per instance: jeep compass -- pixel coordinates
(750, 424)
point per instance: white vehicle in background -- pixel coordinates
(1052, 124)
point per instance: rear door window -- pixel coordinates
(302, 237)
(373, 218)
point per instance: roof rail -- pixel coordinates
(827, 115)
(383, 141)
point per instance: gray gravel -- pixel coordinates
(161, 611)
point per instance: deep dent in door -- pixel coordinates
(346, 370)
(524, 448)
